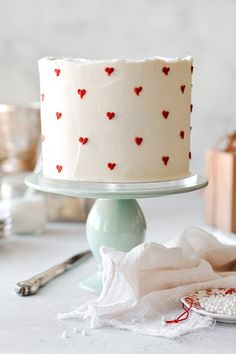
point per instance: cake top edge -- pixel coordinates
(70, 61)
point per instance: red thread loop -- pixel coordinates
(185, 313)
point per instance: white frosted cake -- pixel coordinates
(115, 120)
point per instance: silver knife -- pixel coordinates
(32, 285)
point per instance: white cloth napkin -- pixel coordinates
(144, 285)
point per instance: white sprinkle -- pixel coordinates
(225, 305)
(76, 330)
(64, 335)
(163, 323)
(83, 333)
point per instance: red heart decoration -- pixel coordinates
(42, 97)
(81, 93)
(42, 138)
(83, 140)
(137, 90)
(109, 71)
(190, 155)
(59, 168)
(182, 88)
(110, 115)
(58, 115)
(57, 71)
(165, 159)
(138, 140)
(191, 108)
(181, 134)
(192, 69)
(165, 70)
(165, 114)
(111, 165)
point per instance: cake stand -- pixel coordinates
(116, 219)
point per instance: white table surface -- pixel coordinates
(29, 325)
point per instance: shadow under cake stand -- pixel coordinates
(116, 219)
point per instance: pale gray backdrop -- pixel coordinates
(206, 29)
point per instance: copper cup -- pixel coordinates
(19, 137)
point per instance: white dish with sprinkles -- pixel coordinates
(220, 304)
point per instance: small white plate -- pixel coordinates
(198, 295)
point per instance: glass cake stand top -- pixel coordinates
(116, 190)
(116, 219)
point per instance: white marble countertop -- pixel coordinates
(29, 325)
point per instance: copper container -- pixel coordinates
(19, 137)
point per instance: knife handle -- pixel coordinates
(31, 286)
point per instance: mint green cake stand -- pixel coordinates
(116, 219)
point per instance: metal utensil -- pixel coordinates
(32, 285)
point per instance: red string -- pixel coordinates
(185, 313)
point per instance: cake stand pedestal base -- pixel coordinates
(93, 283)
(115, 219)
(115, 223)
